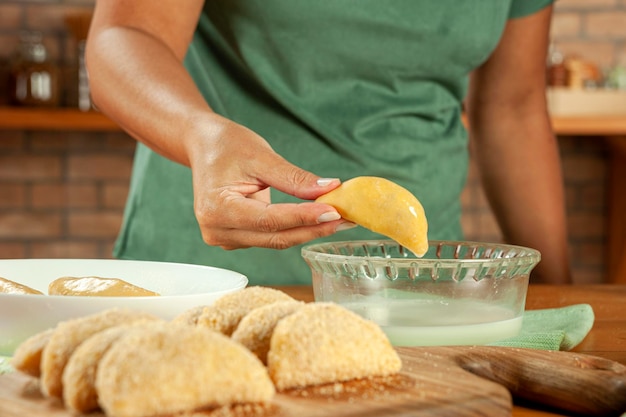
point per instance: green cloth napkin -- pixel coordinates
(547, 329)
(553, 328)
(5, 367)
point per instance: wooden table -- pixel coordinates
(607, 338)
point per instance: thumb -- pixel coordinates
(295, 181)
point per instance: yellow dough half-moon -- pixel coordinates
(384, 207)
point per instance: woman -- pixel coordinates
(232, 98)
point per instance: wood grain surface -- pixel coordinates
(435, 381)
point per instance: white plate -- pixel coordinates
(182, 286)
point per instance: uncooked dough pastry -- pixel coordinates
(189, 316)
(27, 356)
(11, 287)
(226, 312)
(69, 334)
(255, 329)
(96, 287)
(79, 375)
(324, 342)
(162, 370)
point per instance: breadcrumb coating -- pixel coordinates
(324, 342)
(79, 376)
(224, 315)
(133, 364)
(161, 370)
(27, 356)
(255, 329)
(189, 316)
(68, 335)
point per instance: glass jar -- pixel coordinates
(556, 69)
(34, 79)
(84, 92)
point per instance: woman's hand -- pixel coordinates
(233, 168)
(134, 56)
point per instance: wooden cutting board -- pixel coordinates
(438, 381)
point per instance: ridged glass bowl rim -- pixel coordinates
(500, 260)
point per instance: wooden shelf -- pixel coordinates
(23, 118)
(589, 125)
(18, 118)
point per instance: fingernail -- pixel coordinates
(323, 182)
(328, 217)
(345, 226)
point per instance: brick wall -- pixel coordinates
(592, 29)
(62, 194)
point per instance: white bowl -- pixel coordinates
(181, 286)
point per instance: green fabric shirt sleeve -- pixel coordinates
(521, 8)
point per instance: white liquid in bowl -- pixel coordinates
(439, 323)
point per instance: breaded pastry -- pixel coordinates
(68, 335)
(255, 329)
(189, 316)
(224, 315)
(162, 370)
(27, 356)
(79, 375)
(96, 287)
(11, 287)
(324, 342)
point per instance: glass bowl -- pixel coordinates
(459, 293)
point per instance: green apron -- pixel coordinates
(341, 88)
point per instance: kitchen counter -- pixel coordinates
(607, 338)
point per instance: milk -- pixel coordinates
(437, 322)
